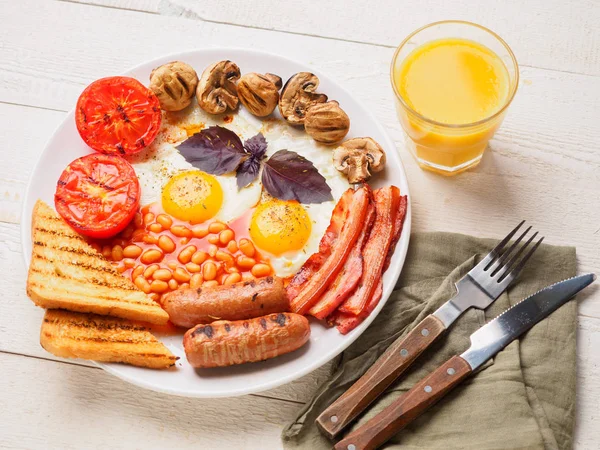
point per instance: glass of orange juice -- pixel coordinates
(453, 82)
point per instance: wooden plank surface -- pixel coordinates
(544, 166)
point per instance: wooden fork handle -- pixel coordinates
(390, 365)
(407, 407)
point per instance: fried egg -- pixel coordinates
(285, 232)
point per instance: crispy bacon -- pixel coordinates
(398, 224)
(349, 276)
(311, 291)
(314, 263)
(348, 322)
(376, 249)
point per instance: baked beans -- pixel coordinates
(185, 255)
(166, 244)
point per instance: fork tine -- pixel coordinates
(514, 272)
(496, 251)
(507, 253)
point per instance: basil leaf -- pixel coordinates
(289, 176)
(256, 146)
(248, 170)
(214, 150)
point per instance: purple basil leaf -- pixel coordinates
(289, 176)
(215, 150)
(247, 172)
(256, 146)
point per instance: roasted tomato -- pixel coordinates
(117, 115)
(98, 195)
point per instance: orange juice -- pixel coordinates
(452, 94)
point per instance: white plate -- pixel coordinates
(325, 343)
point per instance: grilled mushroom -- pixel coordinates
(358, 157)
(174, 84)
(216, 90)
(259, 93)
(298, 95)
(327, 122)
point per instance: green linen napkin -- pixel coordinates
(522, 399)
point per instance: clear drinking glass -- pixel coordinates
(446, 148)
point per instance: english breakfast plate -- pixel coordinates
(325, 343)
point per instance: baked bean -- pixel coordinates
(155, 227)
(173, 285)
(210, 283)
(96, 247)
(117, 253)
(185, 255)
(181, 231)
(128, 262)
(150, 270)
(199, 257)
(200, 231)
(216, 227)
(184, 241)
(209, 270)
(154, 296)
(165, 221)
(213, 239)
(247, 276)
(225, 236)
(142, 284)
(127, 232)
(145, 210)
(138, 235)
(151, 255)
(185, 285)
(172, 265)
(192, 268)
(232, 269)
(232, 278)
(107, 251)
(162, 274)
(137, 272)
(121, 268)
(150, 239)
(132, 251)
(137, 220)
(121, 242)
(221, 278)
(148, 218)
(261, 270)
(223, 256)
(246, 247)
(195, 281)
(232, 247)
(159, 286)
(166, 244)
(245, 262)
(181, 275)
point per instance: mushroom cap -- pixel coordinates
(216, 90)
(174, 84)
(358, 157)
(298, 95)
(259, 93)
(327, 122)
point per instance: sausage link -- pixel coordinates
(224, 343)
(243, 300)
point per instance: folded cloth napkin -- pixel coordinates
(522, 399)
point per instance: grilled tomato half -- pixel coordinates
(118, 115)
(98, 195)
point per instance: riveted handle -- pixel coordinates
(390, 365)
(407, 407)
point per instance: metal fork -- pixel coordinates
(479, 288)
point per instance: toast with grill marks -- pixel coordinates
(107, 339)
(67, 273)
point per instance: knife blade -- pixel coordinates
(485, 343)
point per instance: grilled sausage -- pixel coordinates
(244, 300)
(224, 343)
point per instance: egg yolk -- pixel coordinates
(279, 226)
(192, 196)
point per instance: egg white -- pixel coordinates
(157, 164)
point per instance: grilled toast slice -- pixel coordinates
(108, 339)
(67, 273)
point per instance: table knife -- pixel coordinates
(485, 343)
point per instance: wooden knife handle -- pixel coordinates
(396, 359)
(407, 407)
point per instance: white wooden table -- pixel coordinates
(544, 166)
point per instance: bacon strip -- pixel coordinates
(316, 260)
(376, 249)
(398, 224)
(317, 284)
(348, 322)
(349, 276)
